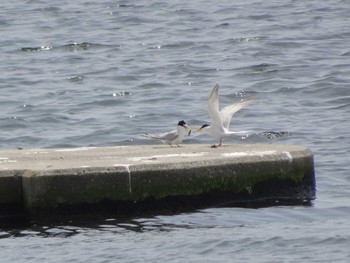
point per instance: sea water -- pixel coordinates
(102, 73)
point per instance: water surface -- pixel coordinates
(102, 73)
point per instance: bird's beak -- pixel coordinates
(188, 129)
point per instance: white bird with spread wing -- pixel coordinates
(220, 120)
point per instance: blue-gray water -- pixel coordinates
(100, 73)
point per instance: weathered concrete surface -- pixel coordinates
(47, 178)
(10, 187)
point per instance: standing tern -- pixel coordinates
(220, 120)
(173, 137)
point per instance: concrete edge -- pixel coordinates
(287, 175)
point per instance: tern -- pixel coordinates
(174, 137)
(220, 120)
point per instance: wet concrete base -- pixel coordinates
(137, 179)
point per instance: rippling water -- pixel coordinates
(82, 73)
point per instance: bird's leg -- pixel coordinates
(220, 142)
(216, 146)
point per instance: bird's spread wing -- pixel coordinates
(213, 108)
(227, 112)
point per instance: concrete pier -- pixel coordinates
(37, 180)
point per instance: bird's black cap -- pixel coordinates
(182, 123)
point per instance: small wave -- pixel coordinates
(276, 134)
(178, 44)
(36, 49)
(68, 47)
(346, 53)
(12, 122)
(259, 68)
(223, 24)
(265, 17)
(122, 94)
(244, 39)
(103, 101)
(50, 118)
(52, 9)
(78, 46)
(78, 78)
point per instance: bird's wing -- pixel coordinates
(213, 108)
(166, 136)
(227, 112)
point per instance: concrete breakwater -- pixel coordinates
(36, 180)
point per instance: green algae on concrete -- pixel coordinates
(50, 178)
(219, 175)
